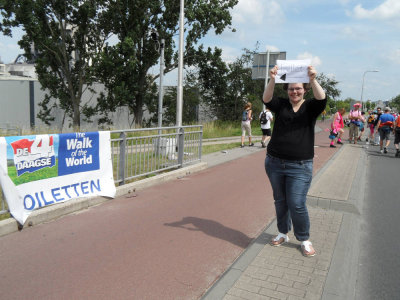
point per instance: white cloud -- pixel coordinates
(331, 76)
(354, 33)
(257, 12)
(230, 54)
(315, 60)
(271, 48)
(344, 2)
(248, 10)
(275, 14)
(387, 10)
(395, 56)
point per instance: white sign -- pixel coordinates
(260, 61)
(41, 170)
(292, 71)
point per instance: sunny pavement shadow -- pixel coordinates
(214, 229)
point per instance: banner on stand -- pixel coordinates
(41, 170)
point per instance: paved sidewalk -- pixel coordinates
(266, 272)
(282, 272)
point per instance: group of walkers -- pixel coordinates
(380, 126)
(290, 151)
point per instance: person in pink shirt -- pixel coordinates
(337, 126)
(355, 118)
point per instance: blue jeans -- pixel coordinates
(290, 181)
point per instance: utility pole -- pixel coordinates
(362, 88)
(179, 100)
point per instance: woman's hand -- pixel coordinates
(273, 72)
(318, 91)
(312, 73)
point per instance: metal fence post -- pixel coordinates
(201, 142)
(181, 143)
(121, 163)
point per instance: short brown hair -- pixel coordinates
(247, 105)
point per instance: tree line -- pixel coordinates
(72, 48)
(79, 43)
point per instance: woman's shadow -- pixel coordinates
(215, 229)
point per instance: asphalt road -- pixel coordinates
(379, 262)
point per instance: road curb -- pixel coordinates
(223, 284)
(330, 176)
(342, 276)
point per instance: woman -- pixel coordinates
(356, 118)
(290, 153)
(337, 126)
(265, 126)
(362, 127)
(246, 126)
(370, 125)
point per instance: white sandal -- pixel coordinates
(307, 249)
(279, 240)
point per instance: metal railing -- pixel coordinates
(143, 152)
(137, 153)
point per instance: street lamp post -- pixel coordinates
(179, 101)
(362, 88)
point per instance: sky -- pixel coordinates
(345, 39)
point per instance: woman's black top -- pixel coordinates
(293, 134)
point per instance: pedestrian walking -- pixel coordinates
(355, 122)
(246, 123)
(290, 152)
(371, 126)
(377, 117)
(265, 122)
(396, 132)
(362, 127)
(385, 125)
(337, 126)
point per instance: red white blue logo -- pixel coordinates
(33, 154)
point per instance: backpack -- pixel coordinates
(263, 118)
(371, 119)
(244, 115)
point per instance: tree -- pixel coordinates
(329, 86)
(331, 91)
(369, 105)
(395, 103)
(191, 101)
(346, 103)
(123, 67)
(225, 88)
(65, 36)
